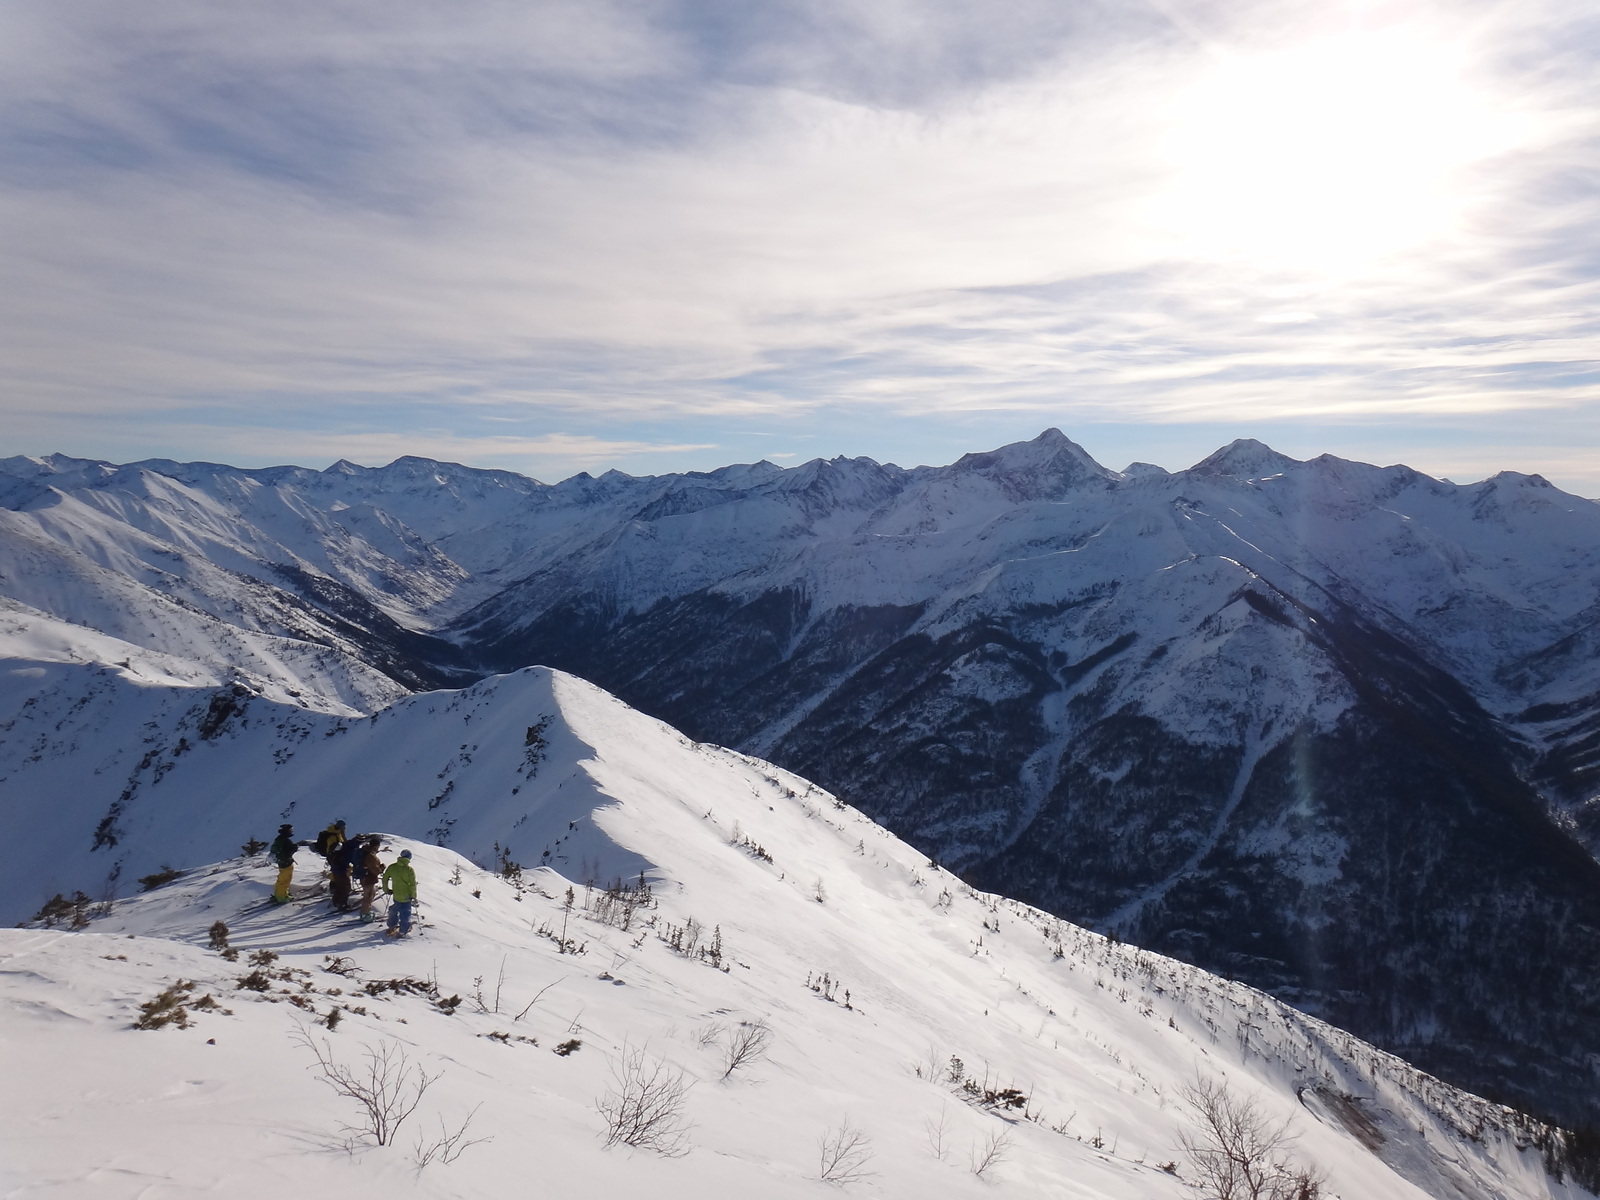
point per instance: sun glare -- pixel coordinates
(1327, 155)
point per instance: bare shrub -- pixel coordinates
(938, 1134)
(747, 1042)
(479, 1002)
(535, 1000)
(645, 1105)
(387, 1087)
(448, 1146)
(990, 1153)
(1236, 1153)
(618, 903)
(843, 1155)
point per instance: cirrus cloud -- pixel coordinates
(660, 228)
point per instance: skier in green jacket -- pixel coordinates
(400, 885)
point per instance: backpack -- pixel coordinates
(321, 844)
(348, 856)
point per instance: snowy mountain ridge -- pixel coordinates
(938, 1021)
(1331, 728)
(425, 540)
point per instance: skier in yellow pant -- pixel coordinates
(283, 848)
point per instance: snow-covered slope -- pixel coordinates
(1331, 728)
(872, 969)
(1327, 727)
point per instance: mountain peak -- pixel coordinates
(1144, 470)
(1245, 458)
(1042, 468)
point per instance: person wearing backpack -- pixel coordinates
(342, 858)
(369, 870)
(282, 850)
(400, 884)
(329, 840)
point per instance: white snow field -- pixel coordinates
(1099, 1038)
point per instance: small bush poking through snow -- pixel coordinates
(617, 904)
(843, 1155)
(937, 1134)
(747, 1042)
(166, 875)
(172, 1007)
(386, 1087)
(448, 1146)
(1237, 1153)
(990, 1153)
(166, 1008)
(645, 1105)
(75, 912)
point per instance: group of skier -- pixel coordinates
(351, 861)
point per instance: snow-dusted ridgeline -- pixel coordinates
(1328, 727)
(1100, 1037)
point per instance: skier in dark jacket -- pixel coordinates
(282, 850)
(332, 841)
(345, 866)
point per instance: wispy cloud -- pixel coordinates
(340, 221)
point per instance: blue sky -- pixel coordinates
(659, 236)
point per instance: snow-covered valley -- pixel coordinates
(894, 999)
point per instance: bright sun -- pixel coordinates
(1327, 155)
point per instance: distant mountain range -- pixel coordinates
(1329, 728)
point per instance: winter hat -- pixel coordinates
(285, 828)
(405, 854)
(338, 824)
